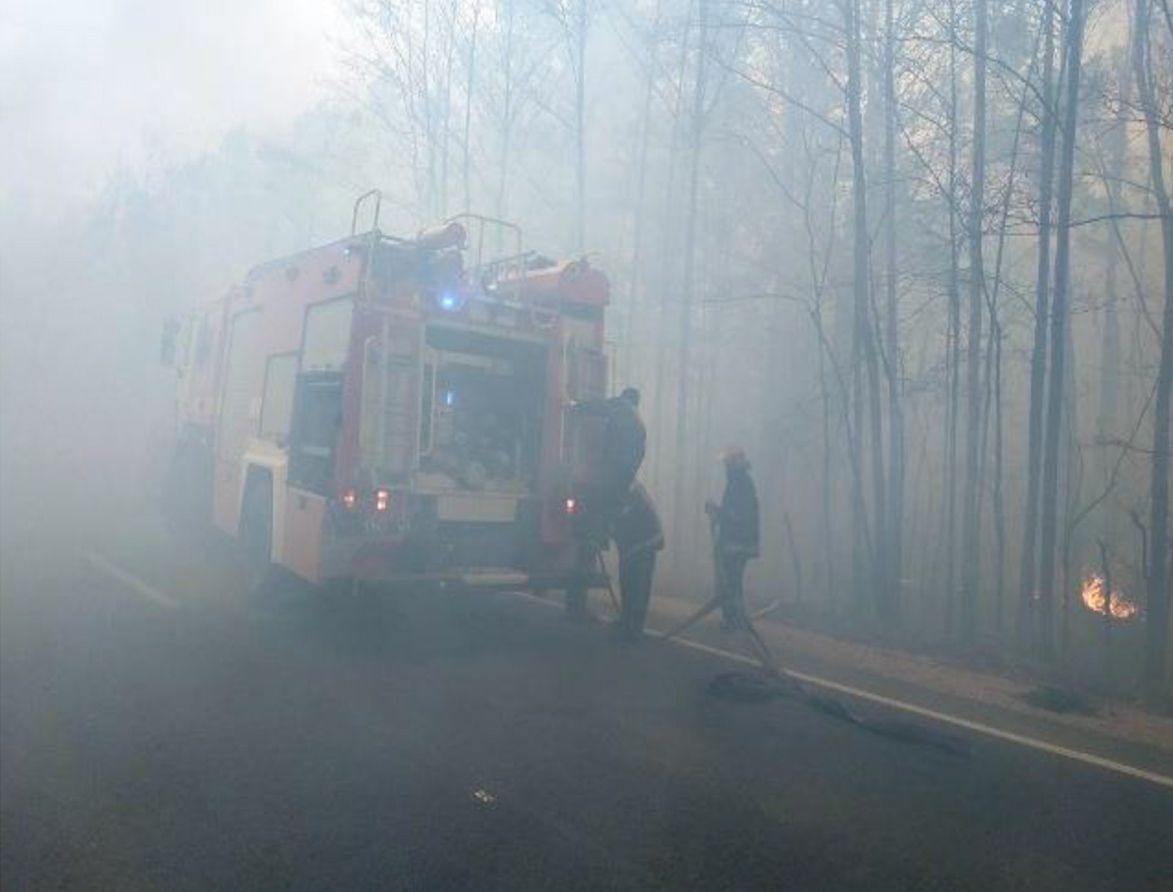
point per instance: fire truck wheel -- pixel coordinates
(257, 535)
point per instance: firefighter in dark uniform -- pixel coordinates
(639, 536)
(737, 536)
(624, 444)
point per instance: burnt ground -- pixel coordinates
(160, 729)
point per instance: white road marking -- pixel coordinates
(131, 581)
(1054, 749)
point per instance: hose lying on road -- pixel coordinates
(754, 687)
(774, 681)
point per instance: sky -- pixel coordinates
(87, 86)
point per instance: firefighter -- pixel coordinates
(638, 535)
(624, 441)
(624, 444)
(736, 542)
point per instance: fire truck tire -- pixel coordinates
(256, 534)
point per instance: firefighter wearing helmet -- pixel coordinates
(736, 538)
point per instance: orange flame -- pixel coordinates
(1094, 599)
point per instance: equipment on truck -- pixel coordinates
(396, 409)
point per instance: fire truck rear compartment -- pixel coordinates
(482, 402)
(472, 504)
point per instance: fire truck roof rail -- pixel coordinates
(377, 194)
(508, 267)
(480, 223)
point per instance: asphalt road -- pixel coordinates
(161, 730)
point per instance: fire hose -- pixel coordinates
(774, 681)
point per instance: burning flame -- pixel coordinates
(1094, 599)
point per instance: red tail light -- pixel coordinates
(349, 498)
(382, 500)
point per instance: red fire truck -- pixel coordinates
(395, 409)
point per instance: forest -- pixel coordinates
(914, 256)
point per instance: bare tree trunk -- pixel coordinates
(795, 559)
(994, 374)
(894, 541)
(1109, 354)
(818, 277)
(645, 125)
(971, 513)
(688, 258)
(506, 112)
(1106, 417)
(1038, 360)
(580, 127)
(953, 340)
(1053, 431)
(447, 122)
(667, 280)
(1157, 620)
(429, 123)
(999, 499)
(852, 446)
(1106, 576)
(826, 491)
(882, 572)
(859, 300)
(1072, 468)
(468, 94)
(863, 342)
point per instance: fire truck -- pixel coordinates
(388, 409)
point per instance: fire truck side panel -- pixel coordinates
(187, 486)
(268, 318)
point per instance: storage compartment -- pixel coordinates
(483, 400)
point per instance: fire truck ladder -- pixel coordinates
(395, 451)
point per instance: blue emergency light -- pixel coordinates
(450, 301)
